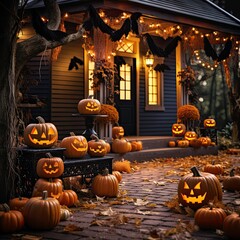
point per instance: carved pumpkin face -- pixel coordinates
(40, 135)
(76, 146)
(198, 189)
(50, 167)
(190, 135)
(205, 141)
(89, 106)
(178, 129)
(97, 148)
(209, 123)
(117, 132)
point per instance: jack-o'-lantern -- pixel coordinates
(117, 131)
(178, 129)
(50, 167)
(97, 147)
(89, 106)
(40, 135)
(76, 146)
(190, 135)
(53, 186)
(197, 189)
(205, 141)
(209, 123)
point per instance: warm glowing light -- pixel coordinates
(149, 59)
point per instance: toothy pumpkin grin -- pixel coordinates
(41, 141)
(99, 150)
(198, 199)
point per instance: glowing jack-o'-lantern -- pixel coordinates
(205, 141)
(178, 129)
(190, 135)
(89, 106)
(197, 189)
(40, 135)
(50, 167)
(209, 123)
(97, 147)
(76, 146)
(117, 131)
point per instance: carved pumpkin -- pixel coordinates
(18, 203)
(232, 182)
(205, 141)
(183, 143)
(210, 218)
(89, 106)
(50, 167)
(97, 147)
(209, 123)
(213, 168)
(117, 131)
(76, 146)
(195, 143)
(190, 135)
(40, 135)
(42, 213)
(53, 186)
(178, 129)
(197, 189)
(10, 220)
(68, 198)
(231, 226)
(105, 185)
(121, 146)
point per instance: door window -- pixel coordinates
(125, 83)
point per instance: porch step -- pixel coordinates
(157, 147)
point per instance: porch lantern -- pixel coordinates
(149, 59)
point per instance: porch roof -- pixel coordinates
(199, 13)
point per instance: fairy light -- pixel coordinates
(66, 15)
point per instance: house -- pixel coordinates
(148, 99)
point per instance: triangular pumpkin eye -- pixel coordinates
(34, 131)
(55, 164)
(198, 186)
(89, 104)
(51, 131)
(186, 186)
(76, 141)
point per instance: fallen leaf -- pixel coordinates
(108, 212)
(138, 221)
(71, 228)
(140, 202)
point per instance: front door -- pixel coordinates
(126, 99)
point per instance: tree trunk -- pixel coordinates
(9, 24)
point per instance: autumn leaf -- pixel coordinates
(140, 202)
(71, 228)
(138, 221)
(107, 212)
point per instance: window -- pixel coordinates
(154, 88)
(91, 66)
(125, 84)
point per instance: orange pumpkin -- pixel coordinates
(213, 168)
(50, 167)
(190, 135)
(232, 182)
(40, 135)
(172, 143)
(205, 141)
(18, 203)
(118, 175)
(10, 220)
(136, 145)
(209, 123)
(122, 166)
(183, 143)
(76, 146)
(97, 147)
(117, 131)
(231, 226)
(178, 129)
(89, 106)
(68, 198)
(195, 143)
(121, 146)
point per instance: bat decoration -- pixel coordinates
(96, 21)
(41, 28)
(124, 30)
(119, 60)
(210, 52)
(159, 51)
(134, 24)
(161, 67)
(74, 63)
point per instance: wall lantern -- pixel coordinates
(149, 59)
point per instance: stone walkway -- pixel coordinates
(141, 211)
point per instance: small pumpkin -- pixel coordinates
(196, 189)
(231, 226)
(89, 106)
(195, 143)
(213, 168)
(178, 129)
(210, 218)
(232, 182)
(122, 166)
(205, 141)
(50, 167)
(105, 184)
(121, 146)
(53, 186)
(136, 145)
(117, 131)
(209, 123)
(68, 198)
(18, 203)
(76, 146)
(41, 134)
(10, 220)
(64, 214)
(42, 213)
(97, 147)
(183, 143)
(118, 175)
(172, 143)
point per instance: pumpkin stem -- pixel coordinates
(90, 97)
(44, 195)
(72, 134)
(210, 205)
(94, 137)
(232, 172)
(49, 155)
(105, 172)
(195, 172)
(213, 162)
(40, 119)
